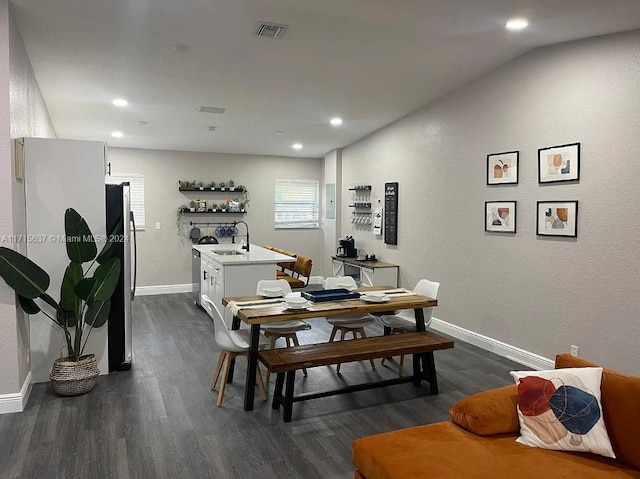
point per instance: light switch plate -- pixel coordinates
(157, 225)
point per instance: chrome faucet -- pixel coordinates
(233, 238)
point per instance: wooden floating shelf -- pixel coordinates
(211, 212)
(207, 188)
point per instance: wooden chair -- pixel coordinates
(232, 344)
(282, 329)
(353, 324)
(301, 272)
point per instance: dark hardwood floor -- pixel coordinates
(159, 420)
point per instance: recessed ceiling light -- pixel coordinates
(279, 132)
(181, 48)
(297, 146)
(120, 102)
(336, 121)
(517, 24)
(117, 134)
(142, 122)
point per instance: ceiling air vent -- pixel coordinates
(270, 30)
(212, 109)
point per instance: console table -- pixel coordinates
(366, 273)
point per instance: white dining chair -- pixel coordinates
(405, 320)
(288, 330)
(353, 324)
(231, 344)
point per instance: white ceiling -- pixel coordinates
(368, 61)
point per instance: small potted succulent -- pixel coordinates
(212, 185)
(192, 206)
(231, 185)
(222, 185)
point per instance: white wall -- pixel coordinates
(536, 293)
(24, 113)
(164, 258)
(332, 175)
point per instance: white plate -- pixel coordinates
(369, 299)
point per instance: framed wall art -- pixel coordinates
(500, 216)
(557, 218)
(559, 163)
(502, 168)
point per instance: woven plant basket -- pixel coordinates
(70, 378)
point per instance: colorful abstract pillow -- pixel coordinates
(560, 409)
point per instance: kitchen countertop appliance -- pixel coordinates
(347, 248)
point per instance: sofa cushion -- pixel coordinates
(488, 412)
(620, 407)
(444, 450)
(560, 409)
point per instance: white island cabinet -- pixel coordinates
(228, 270)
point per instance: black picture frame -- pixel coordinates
(500, 216)
(503, 168)
(557, 218)
(559, 163)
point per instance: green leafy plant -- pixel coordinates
(231, 184)
(85, 294)
(212, 184)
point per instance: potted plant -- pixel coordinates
(192, 206)
(201, 185)
(85, 299)
(244, 198)
(222, 185)
(212, 185)
(231, 184)
(183, 183)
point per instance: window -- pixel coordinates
(296, 204)
(136, 192)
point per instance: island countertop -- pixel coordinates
(255, 255)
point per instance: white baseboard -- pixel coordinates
(164, 289)
(16, 402)
(505, 350)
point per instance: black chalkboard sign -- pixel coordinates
(391, 213)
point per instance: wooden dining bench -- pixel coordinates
(288, 360)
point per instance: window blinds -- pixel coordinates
(136, 192)
(296, 203)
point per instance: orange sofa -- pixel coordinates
(479, 441)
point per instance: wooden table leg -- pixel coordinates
(252, 364)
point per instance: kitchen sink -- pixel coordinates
(227, 253)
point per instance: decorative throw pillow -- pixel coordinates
(560, 409)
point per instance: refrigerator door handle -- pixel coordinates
(135, 255)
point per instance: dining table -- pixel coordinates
(256, 311)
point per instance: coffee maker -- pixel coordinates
(347, 248)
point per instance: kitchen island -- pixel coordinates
(229, 270)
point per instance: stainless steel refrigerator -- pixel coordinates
(120, 224)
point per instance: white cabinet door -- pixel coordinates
(206, 274)
(218, 290)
